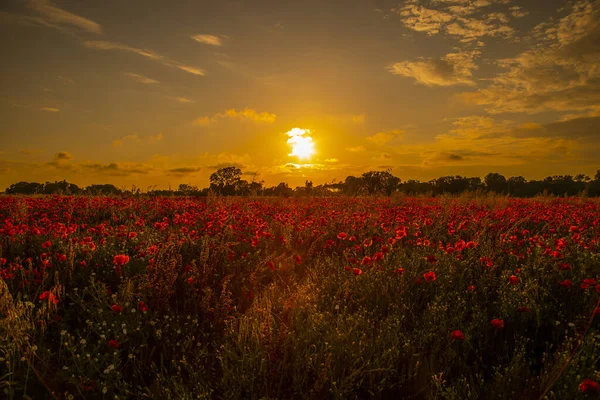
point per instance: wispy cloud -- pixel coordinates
(137, 139)
(53, 16)
(50, 109)
(452, 69)
(141, 78)
(245, 114)
(183, 100)
(559, 73)
(104, 45)
(385, 137)
(455, 18)
(208, 39)
(356, 149)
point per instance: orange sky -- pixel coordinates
(162, 93)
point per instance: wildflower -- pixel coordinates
(431, 259)
(121, 259)
(113, 343)
(298, 259)
(116, 308)
(587, 282)
(566, 283)
(47, 244)
(588, 386)
(142, 306)
(271, 265)
(497, 323)
(513, 280)
(457, 335)
(62, 257)
(357, 271)
(342, 236)
(470, 288)
(429, 276)
(399, 271)
(366, 260)
(50, 296)
(132, 235)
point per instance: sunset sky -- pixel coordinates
(151, 92)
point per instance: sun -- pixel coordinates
(302, 143)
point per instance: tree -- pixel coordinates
(187, 189)
(224, 180)
(382, 182)
(495, 182)
(25, 188)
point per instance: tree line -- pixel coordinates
(228, 182)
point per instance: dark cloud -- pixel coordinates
(116, 169)
(225, 165)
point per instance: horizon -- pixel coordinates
(292, 92)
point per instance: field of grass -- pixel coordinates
(341, 298)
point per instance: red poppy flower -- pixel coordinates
(513, 280)
(113, 343)
(588, 386)
(457, 335)
(47, 244)
(429, 276)
(566, 283)
(50, 296)
(116, 308)
(342, 236)
(142, 306)
(132, 235)
(399, 271)
(120, 259)
(357, 271)
(431, 259)
(62, 257)
(470, 288)
(497, 323)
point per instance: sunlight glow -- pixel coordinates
(301, 142)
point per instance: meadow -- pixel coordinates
(300, 298)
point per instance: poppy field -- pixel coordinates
(299, 298)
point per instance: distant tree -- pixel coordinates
(188, 190)
(25, 188)
(283, 190)
(106, 189)
(380, 182)
(225, 180)
(495, 182)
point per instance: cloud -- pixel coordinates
(227, 164)
(518, 12)
(182, 171)
(61, 160)
(50, 109)
(357, 149)
(559, 73)
(208, 39)
(104, 45)
(135, 139)
(54, 17)
(191, 70)
(383, 138)
(118, 169)
(451, 69)
(183, 100)
(248, 114)
(63, 155)
(454, 18)
(141, 78)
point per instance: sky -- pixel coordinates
(154, 94)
